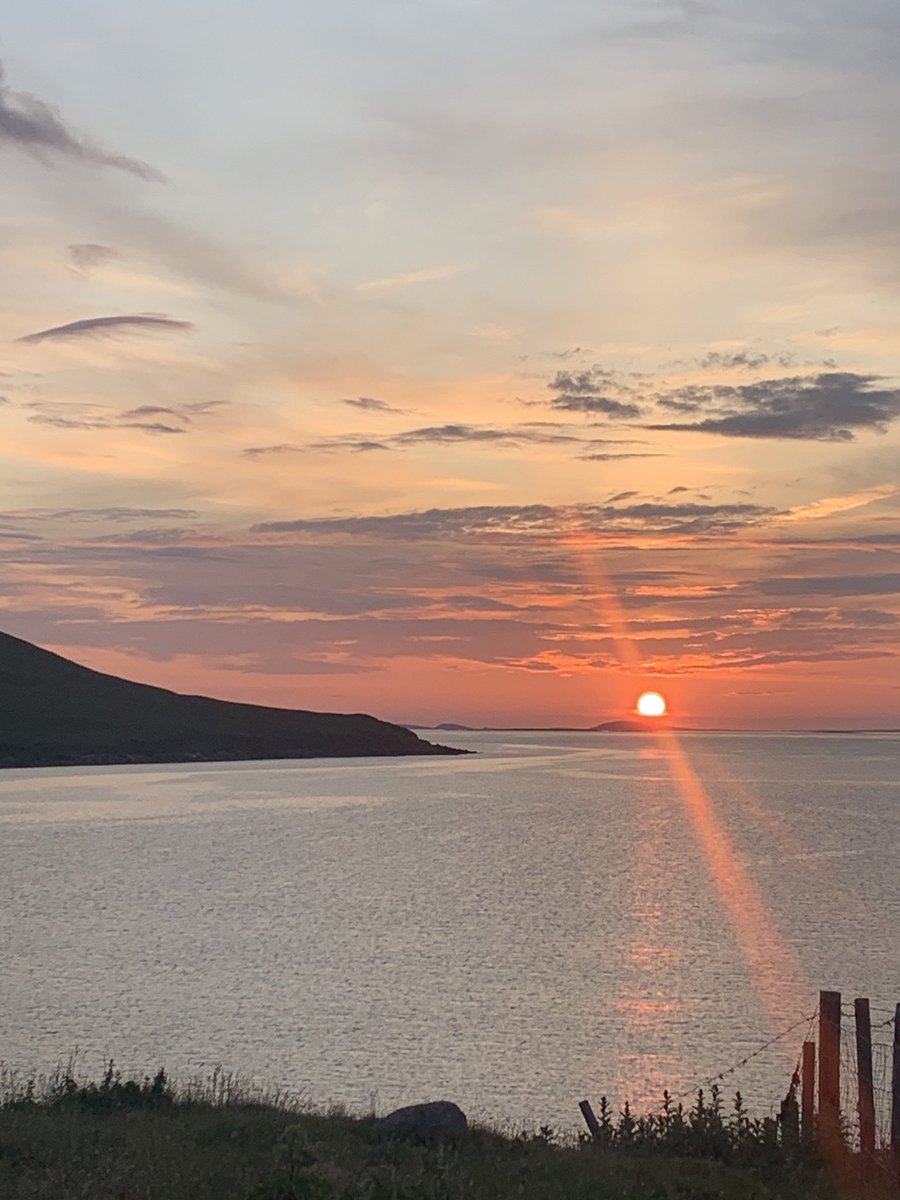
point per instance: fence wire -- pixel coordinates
(882, 1074)
(882, 1028)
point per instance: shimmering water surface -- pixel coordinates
(560, 916)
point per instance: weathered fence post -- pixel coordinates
(830, 1069)
(590, 1120)
(866, 1101)
(808, 1093)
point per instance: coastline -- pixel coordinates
(122, 759)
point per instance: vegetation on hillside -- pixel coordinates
(140, 1140)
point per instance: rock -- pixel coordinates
(438, 1121)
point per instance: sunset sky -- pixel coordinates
(457, 360)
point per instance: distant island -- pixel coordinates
(636, 725)
(54, 712)
(628, 725)
(632, 725)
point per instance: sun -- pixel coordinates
(651, 704)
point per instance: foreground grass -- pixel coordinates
(124, 1141)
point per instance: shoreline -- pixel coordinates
(138, 760)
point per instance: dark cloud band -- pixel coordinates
(539, 519)
(829, 407)
(100, 326)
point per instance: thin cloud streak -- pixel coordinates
(105, 326)
(603, 457)
(427, 275)
(30, 124)
(368, 404)
(538, 519)
(532, 433)
(146, 418)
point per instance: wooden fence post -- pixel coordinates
(866, 1102)
(808, 1093)
(830, 1069)
(895, 1089)
(590, 1120)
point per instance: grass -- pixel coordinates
(141, 1140)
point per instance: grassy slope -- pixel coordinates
(259, 1153)
(53, 710)
(129, 1141)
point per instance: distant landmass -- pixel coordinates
(54, 712)
(630, 725)
(635, 725)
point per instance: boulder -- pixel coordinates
(438, 1121)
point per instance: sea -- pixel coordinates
(556, 917)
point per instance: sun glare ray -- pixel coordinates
(773, 968)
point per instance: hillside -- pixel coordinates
(224, 1142)
(54, 712)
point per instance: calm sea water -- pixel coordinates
(558, 917)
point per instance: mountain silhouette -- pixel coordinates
(54, 712)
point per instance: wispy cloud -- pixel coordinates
(147, 412)
(357, 445)
(605, 456)
(114, 513)
(264, 451)
(194, 253)
(103, 326)
(64, 416)
(539, 519)
(145, 418)
(86, 255)
(368, 404)
(30, 124)
(589, 392)
(529, 433)
(747, 360)
(831, 505)
(449, 435)
(427, 275)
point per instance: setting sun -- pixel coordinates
(651, 704)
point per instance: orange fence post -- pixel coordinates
(830, 1069)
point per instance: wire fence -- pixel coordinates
(733, 1072)
(882, 1073)
(884, 1084)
